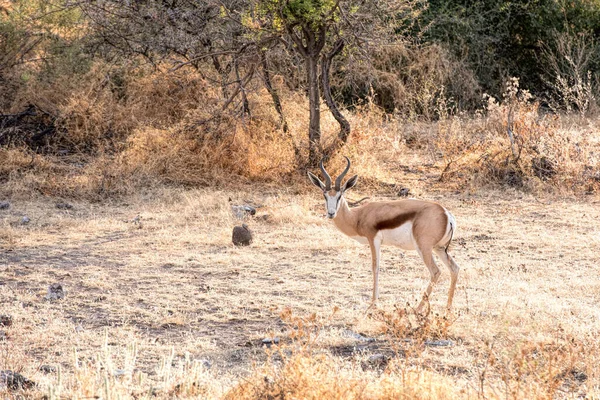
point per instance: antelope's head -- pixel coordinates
(333, 196)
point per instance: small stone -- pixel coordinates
(47, 369)
(242, 211)
(3, 336)
(205, 363)
(14, 381)
(25, 220)
(6, 320)
(117, 373)
(404, 192)
(64, 206)
(375, 361)
(357, 336)
(439, 343)
(241, 236)
(4, 205)
(55, 292)
(270, 341)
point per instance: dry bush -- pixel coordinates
(301, 370)
(413, 80)
(122, 130)
(545, 150)
(323, 377)
(570, 60)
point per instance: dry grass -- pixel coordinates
(151, 301)
(147, 303)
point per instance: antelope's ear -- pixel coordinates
(350, 183)
(316, 181)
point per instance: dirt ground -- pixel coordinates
(153, 285)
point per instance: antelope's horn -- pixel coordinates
(326, 175)
(338, 181)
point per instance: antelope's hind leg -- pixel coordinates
(454, 269)
(427, 257)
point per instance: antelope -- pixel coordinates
(423, 226)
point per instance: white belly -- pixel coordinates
(360, 239)
(399, 237)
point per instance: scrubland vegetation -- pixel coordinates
(150, 119)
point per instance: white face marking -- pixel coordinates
(332, 202)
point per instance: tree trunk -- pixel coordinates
(245, 103)
(314, 129)
(277, 104)
(272, 91)
(344, 132)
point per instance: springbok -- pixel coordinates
(411, 224)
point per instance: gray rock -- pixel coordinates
(242, 235)
(205, 363)
(270, 341)
(439, 343)
(6, 320)
(55, 292)
(4, 205)
(404, 192)
(3, 336)
(243, 211)
(47, 369)
(25, 220)
(375, 361)
(357, 336)
(14, 381)
(117, 373)
(64, 206)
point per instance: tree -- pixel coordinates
(238, 36)
(318, 31)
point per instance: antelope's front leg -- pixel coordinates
(375, 245)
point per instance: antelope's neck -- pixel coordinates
(345, 220)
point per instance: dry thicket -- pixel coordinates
(115, 133)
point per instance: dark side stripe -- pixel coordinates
(395, 222)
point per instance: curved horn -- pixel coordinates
(338, 180)
(326, 175)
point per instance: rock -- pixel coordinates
(242, 211)
(64, 206)
(14, 381)
(47, 369)
(353, 335)
(6, 320)
(117, 373)
(270, 341)
(25, 220)
(3, 336)
(242, 236)
(137, 222)
(4, 205)
(439, 343)
(404, 192)
(55, 292)
(375, 361)
(205, 363)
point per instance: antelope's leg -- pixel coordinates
(427, 256)
(375, 245)
(454, 269)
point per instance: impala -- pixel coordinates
(423, 226)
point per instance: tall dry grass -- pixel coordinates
(119, 131)
(512, 142)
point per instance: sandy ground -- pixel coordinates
(147, 296)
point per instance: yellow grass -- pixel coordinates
(160, 304)
(148, 302)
